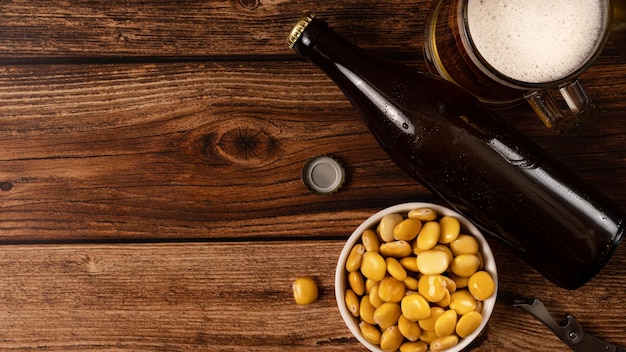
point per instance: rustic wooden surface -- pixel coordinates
(150, 192)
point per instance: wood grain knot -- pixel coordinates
(91, 264)
(121, 37)
(6, 186)
(248, 4)
(248, 146)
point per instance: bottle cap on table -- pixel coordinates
(323, 175)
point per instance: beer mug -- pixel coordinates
(618, 34)
(508, 51)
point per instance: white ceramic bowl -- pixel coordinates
(466, 226)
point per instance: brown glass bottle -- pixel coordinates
(472, 159)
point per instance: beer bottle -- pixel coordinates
(473, 160)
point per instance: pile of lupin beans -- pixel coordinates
(417, 282)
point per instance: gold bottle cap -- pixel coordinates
(323, 175)
(297, 30)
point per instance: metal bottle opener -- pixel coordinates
(569, 331)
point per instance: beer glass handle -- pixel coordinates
(581, 108)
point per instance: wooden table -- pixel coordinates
(150, 191)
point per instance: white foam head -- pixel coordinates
(536, 41)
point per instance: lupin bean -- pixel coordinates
(370, 333)
(411, 283)
(416, 282)
(481, 285)
(374, 297)
(446, 323)
(416, 250)
(373, 266)
(462, 302)
(390, 289)
(464, 244)
(465, 265)
(370, 241)
(461, 282)
(468, 323)
(356, 282)
(366, 310)
(445, 249)
(409, 263)
(386, 226)
(369, 283)
(432, 287)
(428, 336)
(407, 229)
(482, 260)
(450, 229)
(353, 263)
(444, 343)
(432, 262)
(479, 306)
(428, 236)
(352, 302)
(395, 269)
(423, 214)
(450, 284)
(391, 339)
(417, 346)
(415, 307)
(445, 301)
(428, 324)
(396, 249)
(304, 290)
(409, 329)
(387, 315)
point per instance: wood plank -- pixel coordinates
(236, 296)
(157, 28)
(92, 152)
(204, 150)
(33, 31)
(176, 297)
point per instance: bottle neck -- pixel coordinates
(323, 46)
(308, 36)
(330, 51)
